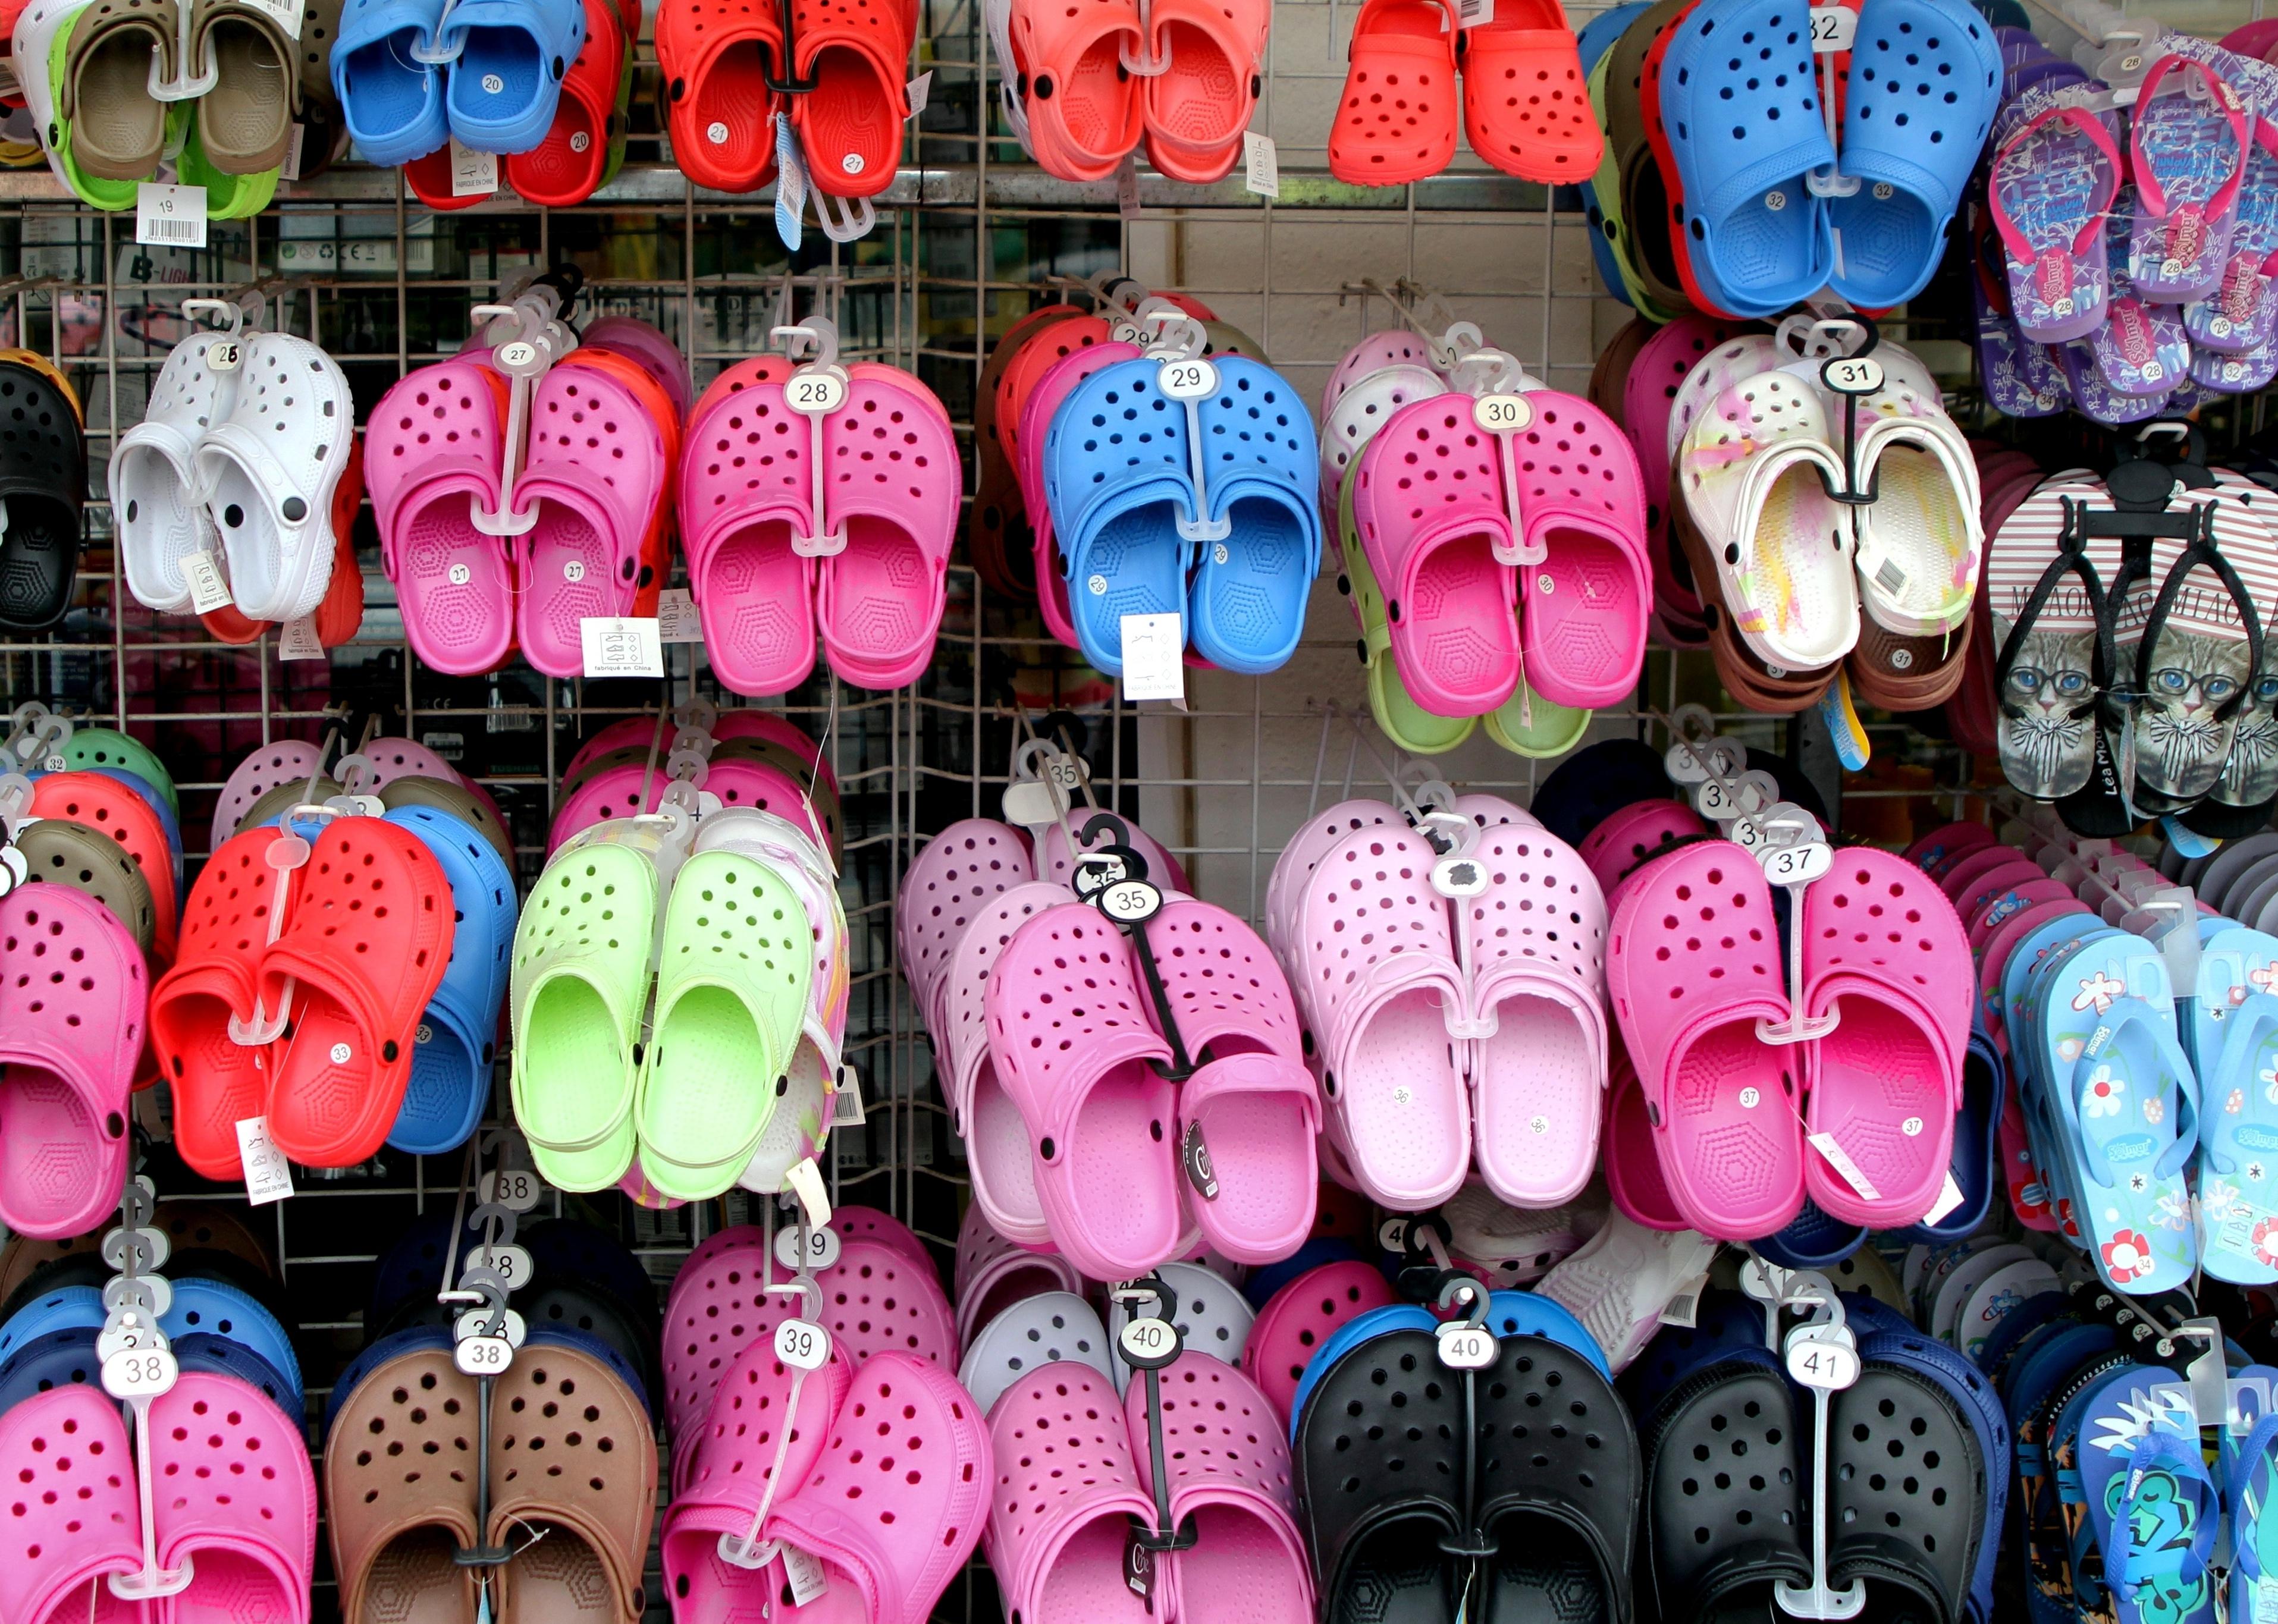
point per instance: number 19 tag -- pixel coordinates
(802, 1344)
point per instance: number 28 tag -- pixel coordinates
(814, 392)
(802, 1344)
(1189, 380)
(1503, 414)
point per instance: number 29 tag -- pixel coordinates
(1189, 380)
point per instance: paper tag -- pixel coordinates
(676, 618)
(1262, 167)
(268, 1177)
(208, 590)
(1833, 28)
(298, 640)
(802, 1344)
(169, 217)
(1949, 1197)
(1474, 14)
(806, 1182)
(805, 1574)
(517, 1189)
(621, 645)
(1828, 1364)
(1840, 1159)
(821, 1247)
(473, 174)
(1153, 667)
(791, 182)
(290, 169)
(1683, 1308)
(846, 1100)
(287, 14)
(920, 92)
(1139, 1568)
(1126, 190)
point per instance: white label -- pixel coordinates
(1474, 14)
(1127, 199)
(815, 393)
(846, 1100)
(268, 1177)
(517, 1189)
(1852, 374)
(1148, 1340)
(482, 1356)
(285, 13)
(1033, 805)
(1130, 902)
(1830, 1365)
(1833, 28)
(170, 217)
(510, 1264)
(494, 84)
(1153, 645)
(1454, 876)
(299, 640)
(478, 1323)
(1683, 1309)
(1262, 167)
(821, 1247)
(802, 1344)
(621, 645)
(1466, 1346)
(208, 590)
(139, 1373)
(676, 619)
(805, 1574)
(473, 174)
(1949, 1197)
(1840, 1159)
(290, 169)
(1189, 380)
(1797, 864)
(806, 1182)
(1392, 1235)
(1503, 414)
(920, 93)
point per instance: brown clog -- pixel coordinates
(1645, 197)
(400, 1483)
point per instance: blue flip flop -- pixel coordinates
(2238, 1111)
(2039, 1379)
(1742, 107)
(1120, 486)
(1262, 470)
(507, 78)
(454, 1047)
(2152, 1503)
(1596, 39)
(1925, 82)
(391, 101)
(2025, 986)
(2250, 1478)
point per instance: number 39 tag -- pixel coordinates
(1466, 1346)
(802, 1344)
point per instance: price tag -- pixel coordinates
(1126, 205)
(140, 1373)
(805, 1574)
(290, 169)
(1833, 28)
(1457, 876)
(815, 391)
(225, 355)
(208, 590)
(846, 1099)
(517, 1189)
(1474, 14)
(677, 617)
(1148, 1343)
(805, 1181)
(477, 1322)
(1194, 1156)
(1466, 1346)
(1851, 374)
(1813, 1363)
(1840, 1159)
(473, 174)
(299, 641)
(1949, 1197)
(821, 1248)
(169, 217)
(1683, 1309)
(268, 1178)
(510, 1263)
(1154, 647)
(1798, 865)
(1187, 380)
(920, 93)
(1130, 902)
(1503, 414)
(621, 645)
(481, 1356)
(802, 1344)
(1261, 165)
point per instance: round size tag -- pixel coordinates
(517, 1189)
(511, 1264)
(1094, 871)
(815, 393)
(821, 1248)
(1813, 1363)
(519, 353)
(1455, 876)
(1189, 380)
(1130, 902)
(1852, 375)
(477, 1322)
(802, 1344)
(1797, 864)
(1392, 1235)
(1147, 1343)
(1466, 1346)
(1503, 414)
(480, 1356)
(225, 355)
(139, 1373)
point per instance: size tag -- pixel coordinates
(821, 1248)
(1829, 1364)
(1126, 205)
(140, 1373)
(478, 1323)
(1797, 864)
(1153, 664)
(1833, 28)
(920, 95)
(1466, 1346)
(510, 1263)
(1949, 1197)
(1503, 414)
(169, 217)
(473, 174)
(846, 1100)
(1840, 1159)
(1094, 872)
(481, 1356)
(268, 1177)
(1851, 374)
(1455, 876)
(815, 391)
(290, 169)
(621, 645)
(1130, 902)
(208, 590)
(225, 355)
(1187, 380)
(677, 617)
(1148, 1343)
(298, 640)
(1261, 165)
(1392, 1235)
(802, 1344)
(805, 1575)
(517, 1189)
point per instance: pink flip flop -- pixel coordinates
(285, 762)
(77, 990)
(1228, 1465)
(866, 1501)
(598, 472)
(1251, 1111)
(1537, 958)
(1947, 844)
(1633, 1176)
(1068, 1033)
(996, 1155)
(1375, 967)
(1582, 501)
(1427, 500)
(1626, 840)
(1060, 1510)
(74, 1518)
(1971, 899)
(1692, 964)
(761, 1440)
(893, 488)
(1983, 860)
(1297, 1321)
(957, 873)
(744, 491)
(236, 1497)
(1993, 962)
(432, 454)
(993, 1272)
(1982, 926)
(1883, 952)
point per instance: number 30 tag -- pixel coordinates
(1503, 414)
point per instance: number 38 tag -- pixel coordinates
(802, 1344)
(139, 1373)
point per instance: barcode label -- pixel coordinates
(169, 216)
(1890, 577)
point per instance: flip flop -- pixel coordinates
(1085, 109)
(2242, 314)
(42, 488)
(2055, 658)
(2237, 1214)
(272, 468)
(1299, 1319)
(1720, 1100)
(1582, 505)
(1099, 1114)
(2249, 781)
(1047, 1329)
(1060, 1513)
(2054, 176)
(455, 1042)
(1395, 122)
(720, 111)
(2186, 146)
(112, 809)
(893, 489)
(1537, 935)
(391, 1531)
(1247, 600)
(586, 142)
(992, 1273)
(433, 453)
(2152, 1503)
(83, 1525)
(1885, 953)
